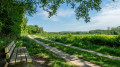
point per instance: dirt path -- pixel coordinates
(70, 58)
(39, 61)
(92, 52)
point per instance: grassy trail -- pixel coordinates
(85, 44)
(40, 55)
(92, 52)
(73, 59)
(103, 61)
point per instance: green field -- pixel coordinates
(102, 61)
(105, 44)
(59, 33)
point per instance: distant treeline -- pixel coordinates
(112, 31)
(35, 29)
(109, 31)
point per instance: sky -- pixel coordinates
(108, 16)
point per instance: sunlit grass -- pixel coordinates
(96, 43)
(103, 61)
(36, 49)
(4, 41)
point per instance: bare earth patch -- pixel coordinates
(39, 61)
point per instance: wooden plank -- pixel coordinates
(10, 52)
(13, 57)
(23, 54)
(18, 58)
(6, 64)
(27, 55)
(9, 47)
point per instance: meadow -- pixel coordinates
(99, 60)
(106, 44)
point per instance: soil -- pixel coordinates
(39, 61)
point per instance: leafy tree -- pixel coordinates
(77, 32)
(33, 29)
(24, 28)
(12, 11)
(41, 30)
(11, 16)
(82, 7)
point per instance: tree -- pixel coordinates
(81, 9)
(24, 28)
(33, 29)
(11, 16)
(11, 11)
(77, 32)
(41, 30)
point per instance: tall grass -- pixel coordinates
(105, 44)
(103, 61)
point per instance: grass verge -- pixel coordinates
(113, 51)
(36, 49)
(103, 61)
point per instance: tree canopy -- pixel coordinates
(32, 29)
(12, 12)
(82, 7)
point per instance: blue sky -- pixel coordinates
(109, 16)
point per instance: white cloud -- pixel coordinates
(109, 16)
(45, 15)
(60, 14)
(65, 13)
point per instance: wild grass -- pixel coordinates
(103, 61)
(36, 49)
(4, 41)
(86, 42)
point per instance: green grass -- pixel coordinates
(83, 41)
(103, 61)
(36, 49)
(4, 41)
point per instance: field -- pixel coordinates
(59, 41)
(88, 42)
(106, 44)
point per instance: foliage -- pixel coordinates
(35, 29)
(4, 41)
(105, 62)
(113, 31)
(82, 7)
(109, 40)
(24, 27)
(105, 44)
(11, 15)
(12, 11)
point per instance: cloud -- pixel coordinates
(65, 13)
(109, 16)
(44, 15)
(60, 14)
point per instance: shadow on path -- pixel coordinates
(70, 58)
